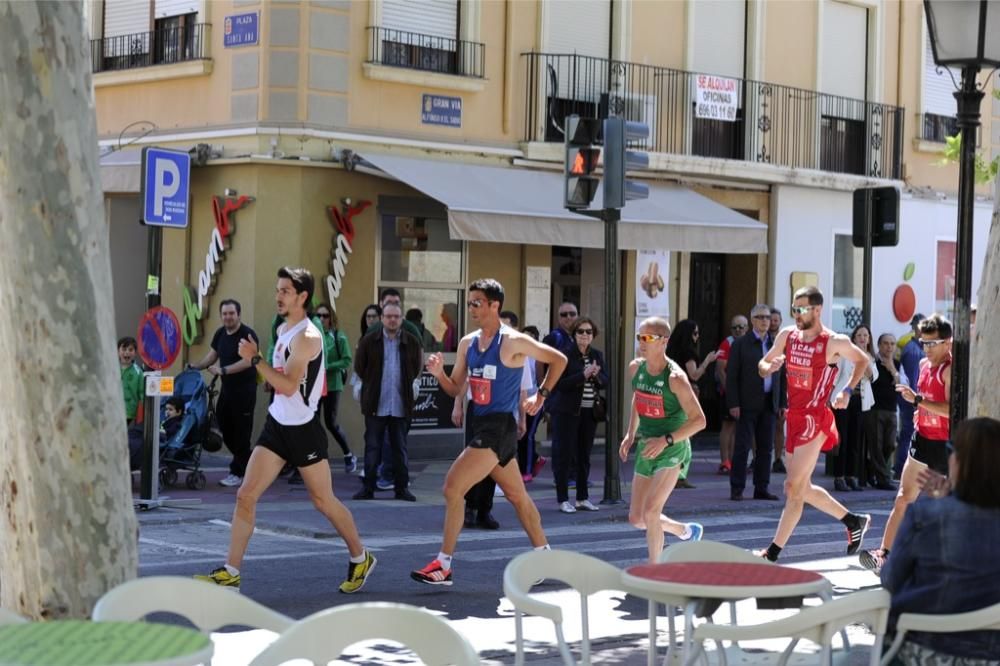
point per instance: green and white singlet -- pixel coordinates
(660, 413)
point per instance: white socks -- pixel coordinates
(360, 558)
(233, 571)
(445, 561)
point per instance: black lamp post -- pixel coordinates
(965, 34)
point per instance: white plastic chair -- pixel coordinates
(585, 574)
(207, 606)
(983, 619)
(818, 624)
(10, 617)
(323, 636)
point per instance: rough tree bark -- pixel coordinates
(984, 365)
(67, 529)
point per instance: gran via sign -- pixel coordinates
(196, 298)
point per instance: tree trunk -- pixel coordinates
(67, 530)
(984, 399)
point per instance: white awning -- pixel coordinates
(516, 205)
(120, 170)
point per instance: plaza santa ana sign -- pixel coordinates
(343, 227)
(195, 299)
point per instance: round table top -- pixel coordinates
(726, 579)
(82, 643)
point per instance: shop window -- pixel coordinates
(848, 263)
(418, 258)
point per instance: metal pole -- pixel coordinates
(969, 99)
(612, 323)
(151, 416)
(866, 272)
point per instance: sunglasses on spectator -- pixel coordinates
(323, 315)
(738, 327)
(930, 343)
(584, 331)
(801, 309)
(567, 314)
(649, 337)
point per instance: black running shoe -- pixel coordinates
(856, 535)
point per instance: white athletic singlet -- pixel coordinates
(300, 407)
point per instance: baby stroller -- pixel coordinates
(198, 431)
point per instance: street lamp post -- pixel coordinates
(963, 33)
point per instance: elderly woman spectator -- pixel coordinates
(946, 556)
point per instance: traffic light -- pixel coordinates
(583, 152)
(618, 132)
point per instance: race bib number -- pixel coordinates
(799, 378)
(927, 421)
(480, 389)
(649, 405)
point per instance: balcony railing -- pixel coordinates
(767, 123)
(145, 49)
(411, 50)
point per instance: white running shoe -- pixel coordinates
(566, 507)
(231, 481)
(586, 505)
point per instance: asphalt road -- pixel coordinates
(295, 560)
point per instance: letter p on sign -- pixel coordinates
(166, 187)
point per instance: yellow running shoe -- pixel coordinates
(222, 577)
(357, 574)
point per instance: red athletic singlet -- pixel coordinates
(931, 386)
(810, 377)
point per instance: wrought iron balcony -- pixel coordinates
(411, 50)
(146, 49)
(696, 114)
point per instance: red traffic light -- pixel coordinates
(585, 161)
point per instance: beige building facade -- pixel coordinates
(417, 144)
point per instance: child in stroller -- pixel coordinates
(188, 430)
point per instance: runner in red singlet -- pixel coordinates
(929, 448)
(809, 352)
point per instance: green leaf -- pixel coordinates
(908, 271)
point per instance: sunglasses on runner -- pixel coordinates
(648, 337)
(801, 309)
(475, 302)
(924, 344)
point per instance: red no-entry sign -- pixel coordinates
(159, 337)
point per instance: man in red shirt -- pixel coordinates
(809, 353)
(929, 448)
(727, 434)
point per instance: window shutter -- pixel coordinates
(845, 49)
(719, 37)
(167, 8)
(579, 27)
(938, 97)
(438, 18)
(126, 17)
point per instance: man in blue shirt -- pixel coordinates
(909, 358)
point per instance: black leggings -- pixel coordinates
(328, 404)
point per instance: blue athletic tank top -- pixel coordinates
(495, 388)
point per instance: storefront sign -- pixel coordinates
(441, 110)
(432, 409)
(195, 302)
(343, 227)
(717, 98)
(240, 30)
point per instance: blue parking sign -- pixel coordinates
(166, 187)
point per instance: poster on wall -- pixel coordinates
(944, 281)
(651, 271)
(432, 408)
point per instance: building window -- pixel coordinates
(173, 39)
(848, 263)
(419, 258)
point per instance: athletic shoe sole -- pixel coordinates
(420, 579)
(869, 562)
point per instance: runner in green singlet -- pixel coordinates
(665, 413)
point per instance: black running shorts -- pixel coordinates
(300, 445)
(931, 452)
(496, 432)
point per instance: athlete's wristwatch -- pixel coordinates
(917, 398)
(544, 392)
(670, 439)
(255, 360)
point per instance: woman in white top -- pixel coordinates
(849, 466)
